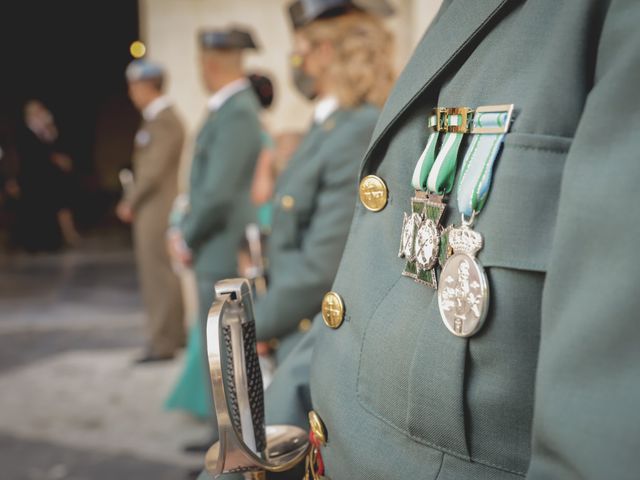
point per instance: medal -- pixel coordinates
(463, 293)
(432, 179)
(420, 240)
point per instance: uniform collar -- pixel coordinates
(151, 111)
(225, 93)
(324, 109)
(437, 50)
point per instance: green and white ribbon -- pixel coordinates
(436, 174)
(490, 125)
(427, 158)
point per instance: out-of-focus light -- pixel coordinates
(137, 49)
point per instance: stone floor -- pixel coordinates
(72, 404)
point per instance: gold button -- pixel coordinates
(304, 325)
(332, 310)
(329, 125)
(287, 202)
(373, 193)
(317, 427)
(274, 343)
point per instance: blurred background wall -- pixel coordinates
(168, 28)
(72, 56)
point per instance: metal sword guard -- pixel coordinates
(245, 444)
(257, 270)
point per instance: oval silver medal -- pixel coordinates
(463, 295)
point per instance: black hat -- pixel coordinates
(263, 88)
(303, 12)
(226, 39)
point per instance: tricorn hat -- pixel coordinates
(231, 38)
(303, 12)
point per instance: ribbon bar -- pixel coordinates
(437, 121)
(458, 119)
(492, 119)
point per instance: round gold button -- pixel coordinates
(317, 427)
(329, 125)
(304, 325)
(287, 202)
(332, 310)
(373, 193)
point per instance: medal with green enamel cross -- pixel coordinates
(433, 178)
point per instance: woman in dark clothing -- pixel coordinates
(44, 216)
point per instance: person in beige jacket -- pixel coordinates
(156, 158)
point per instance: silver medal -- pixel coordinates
(407, 239)
(420, 238)
(463, 293)
(427, 245)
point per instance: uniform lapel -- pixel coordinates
(206, 125)
(455, 28)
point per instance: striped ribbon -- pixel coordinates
(436, 174)
(427, 158)
(477, 166)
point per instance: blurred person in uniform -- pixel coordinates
(342, 61)
(156, 158)
(190, 393)
(226, 150)
(500, 340)
(44, 184)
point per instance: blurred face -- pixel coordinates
(310, 64)
(208, 69)
(316, 58)
(219, 66)
(36, 112)
(142, 93)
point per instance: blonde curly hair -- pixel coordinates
(362, 70)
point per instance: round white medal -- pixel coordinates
(463, 292)
(463, 295)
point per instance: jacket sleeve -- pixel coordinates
(230, 162)
(586, 423)
(310, 270)
(164, 149)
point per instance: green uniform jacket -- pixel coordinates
(313, 205)
(225, 155)
(550, 387)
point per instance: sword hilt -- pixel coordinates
(257, 269)
(245, 444)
